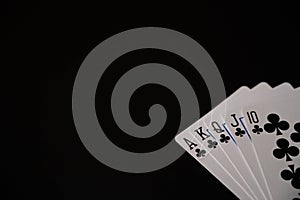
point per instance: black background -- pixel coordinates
(42, 47)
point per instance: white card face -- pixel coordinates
(274, 131)
(254, 137)
(213, 165)
(236, 126)
(210, 141)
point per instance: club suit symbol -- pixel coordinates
(276, 124)
(292, 175)
(285, 150)
(200, 153)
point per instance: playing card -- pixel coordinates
(273, 126)
(213, 165)
(254, 136)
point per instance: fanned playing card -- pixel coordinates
(253, 136)
(274, 126)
